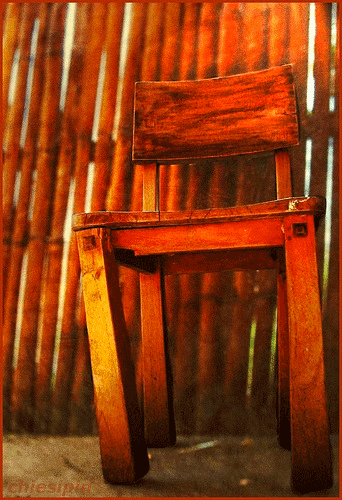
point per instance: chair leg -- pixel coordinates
(311, 450)
(157, 384)
(283, 399)
(120, 423)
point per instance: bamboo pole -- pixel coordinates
(324, 130)
(51, 284)
(104, 141)
(187, 58)
(21, 222)
(13, 127)
(66, 352)
(228, 47)
(207, 41)
(118, 192)
(331, 321)
(321, 121)
(24, 373)
(298, 56)
(82, 413)
(10, 42)
(278, 31)
(81, 396)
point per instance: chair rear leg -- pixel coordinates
(120, 424)
(311, 450)
(283, 396)
(157, 384)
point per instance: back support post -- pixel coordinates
(151, 188)
(283, 173)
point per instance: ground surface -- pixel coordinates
(195, 467)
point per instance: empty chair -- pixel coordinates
(186, 121)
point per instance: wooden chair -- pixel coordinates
(183, 121)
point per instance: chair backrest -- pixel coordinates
(184, 121)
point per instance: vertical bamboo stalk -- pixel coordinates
(109, 96)
(51, 284)
(321, 133)
(264, 306)
(81, 396)
(228, 48)
(207, 41)
(169, 52)
(298, 56)
(187, 58)
(254, 47)
(13, 127)
(66, 353)
(331, 294)
(118, 189)
(278, 32)
(10, 42)
(21, 222)
(24, 373)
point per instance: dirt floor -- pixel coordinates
(195, 467)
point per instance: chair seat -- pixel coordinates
(314, 205)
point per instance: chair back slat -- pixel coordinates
(214, 118)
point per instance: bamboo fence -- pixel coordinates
(68, 78)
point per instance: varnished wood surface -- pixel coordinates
(217, 117)
(157, 390)
(220, 260)
(199, 262)
(313, 205)
(310, 445)
(120, 424)
(256, 233)
(283, 173)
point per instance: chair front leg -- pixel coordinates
(156, 371)
(120, 424)
(311, 451)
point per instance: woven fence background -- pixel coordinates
(68, 78)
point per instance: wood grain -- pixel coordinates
(123, 448)
(158, 411)
(283, 173)
(215, 117)
(258, 233)
(313, 205)
(221, 260)
(311, 454)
